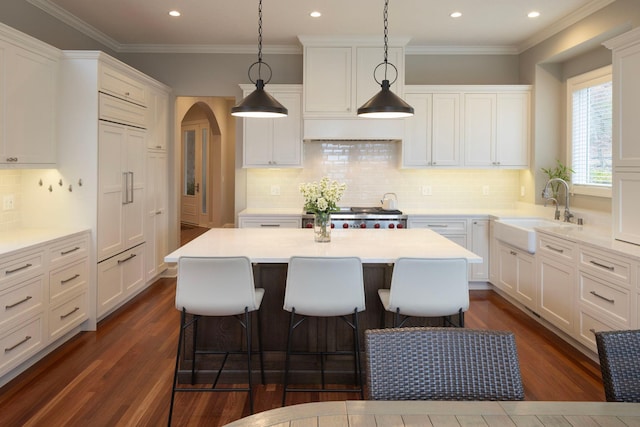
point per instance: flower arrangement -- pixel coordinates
(322, 197)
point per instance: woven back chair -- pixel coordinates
(618, 352)
(442, 364)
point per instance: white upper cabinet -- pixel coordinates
(432, 135)
(28, 99)
(275, 142)
(339, 74)
(496, 128)
(158, 120)
(122, 86)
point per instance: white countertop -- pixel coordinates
(15, 240)
(278, 245)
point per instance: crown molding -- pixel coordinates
(564, 23)
(229, 49)
(461, 50)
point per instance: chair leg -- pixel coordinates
(193, 349)
(260, 353)
(247, 320)
(177, 365)
(287, 357)
(356, 351)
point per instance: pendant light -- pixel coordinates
(259, 103)
(385, 104)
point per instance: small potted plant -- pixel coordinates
(560, 171)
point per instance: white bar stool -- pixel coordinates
(324, 287)
(213, 287)
(427, 288)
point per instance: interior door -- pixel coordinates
(195, 174)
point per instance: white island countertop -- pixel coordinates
(278, 245)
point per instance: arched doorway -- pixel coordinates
(205, 162)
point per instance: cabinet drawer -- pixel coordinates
(20, 343)
(440, 226)
(118, 111)
(20, 266)
(606, 266)
(556, 248)
(68, 279)
(588, 326)
(68, 250)
(270, 223)
(68, 315)
(21, 301)
(608, 299)
(120, 85)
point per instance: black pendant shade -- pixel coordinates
(259, 103)
(385, 104)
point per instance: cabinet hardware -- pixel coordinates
(560, 251)
(606, 267)
(8, 349)
(158, 212)
(513, 253)
(12, 159)
(15, 270)
(75, 276)
(69, 251)
(595, 294)
(120, 261)
(15, 304)
(437, 225)
(269, 225)
(64, 316)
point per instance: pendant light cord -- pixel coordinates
(385, 17)
(259, 38)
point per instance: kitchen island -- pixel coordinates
(269, 250)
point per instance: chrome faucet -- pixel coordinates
(545, 193)
(556, 214)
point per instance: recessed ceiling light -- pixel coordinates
(456, 14)
(315, 14)
(174, 13)
(533, 14)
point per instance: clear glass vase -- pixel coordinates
(322, 227)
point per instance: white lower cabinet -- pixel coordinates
(270, 221)
(119, 278)
(516, 274)
(480, 246)
(43, 297)
(157, 214)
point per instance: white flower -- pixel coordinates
(323, 196)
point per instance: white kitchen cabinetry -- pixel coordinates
(626, 135)
(470, 233)
(496, 128)
(338, 75)
(43, 297)
(108, 112)
(157, 221)
(556, 266)
(28, 99)
(432, 135)
(516, 274)
(275, 142)
(121, 180)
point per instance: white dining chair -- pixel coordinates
(324, 287)
(427, 288)
(214, 287)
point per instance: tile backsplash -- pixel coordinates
(371, 169)
(10, 185)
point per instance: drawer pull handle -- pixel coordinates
(269, 225)
(606, 267)
(15, 304)
(75, 276)
(513, 253)
(77, 248)
(437, 225)
(8, 349)
(64, 316)
(595, 294)
(120, 261)
(15, 270)
(560, 251)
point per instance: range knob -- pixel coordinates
(363, 225)
(345, 225)
(309, 225)
(377, 225)
(333, 225)
(400, 226)
(392, 225)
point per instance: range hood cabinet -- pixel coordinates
(353, 129)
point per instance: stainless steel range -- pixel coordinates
(362, 217)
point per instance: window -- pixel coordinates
(589, 132)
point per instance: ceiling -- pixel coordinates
(486, 26)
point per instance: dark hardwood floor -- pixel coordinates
(121, 374)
